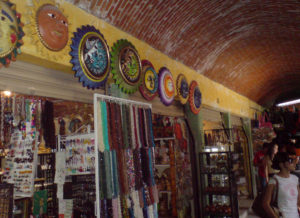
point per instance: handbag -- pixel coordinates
(264, 121)
(257, 205)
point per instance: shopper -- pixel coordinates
(268, 158)
(258, 161)
(285, 185)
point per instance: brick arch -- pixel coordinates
(240, 44)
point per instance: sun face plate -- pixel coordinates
(195, 97)
(166, 88)
(126, 66)
(90, 57)
(149, 85)
(11, 33)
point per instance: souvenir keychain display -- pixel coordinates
(21, 158)
(80, 153)
(125, 175)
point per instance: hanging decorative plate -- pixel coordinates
(126, 66)
(182, 88)
(166, 87)
(48, 27)
(90, 57)
(149, 85)
(195, 97)
(11, 33)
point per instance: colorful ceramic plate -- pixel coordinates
(149, 85)
(52, 26)
(90, 57)
(195, 97)
(126, 66)
(182, 88)
(166, 88)
(11, 33)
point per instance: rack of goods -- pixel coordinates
(218, 188)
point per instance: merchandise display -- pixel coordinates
(173, 166)
(219, 194)
(79, 153)
(124, 158)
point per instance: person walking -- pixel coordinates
(258, 162)
(268, 158)
(285, 185)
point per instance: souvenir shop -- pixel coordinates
(115, 141)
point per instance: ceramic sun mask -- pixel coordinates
(8, 29)
(52, 27)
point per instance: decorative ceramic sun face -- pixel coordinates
(52, 27)
(8, 29)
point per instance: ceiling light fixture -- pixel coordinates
(297, 101)
(7, 93)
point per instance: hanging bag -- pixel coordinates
(264, 121)
(258, 202)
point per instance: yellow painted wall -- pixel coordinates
(213, 94)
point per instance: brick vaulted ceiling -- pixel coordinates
(249, 46)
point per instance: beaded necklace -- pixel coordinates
(115, 174)
(118, 122)
(132, 125)
(100, 129)
(136, 135)
(146, 128)
(108, 177)
(105, 125)
(109, 126)
(123, 124)
(141, 127)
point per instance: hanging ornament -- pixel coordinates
(11, 33)
(149, 85)
(90, 57)
(126, 66)
(166, 87)
(48, 26)
(195, 97)
(182, 88)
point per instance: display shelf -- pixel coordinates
(218, 186)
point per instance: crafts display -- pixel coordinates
(126, 66)
(125, 177)
(184, 178)
(166, 86)
(84, 195)
(149, 83)
(219, 189)
(195, 97)
(79, 153)
(19, 133)
(90, 57)
(182, 88)
(11, 33)
(6, 200)
(20, 166)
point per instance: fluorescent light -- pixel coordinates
(297, 101)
